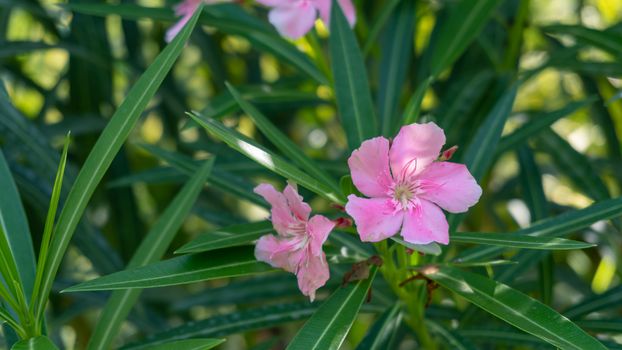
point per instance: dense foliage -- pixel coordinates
(129, 159)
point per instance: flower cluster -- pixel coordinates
(407, 181)
(292, 18)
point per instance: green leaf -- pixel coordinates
(557, 226)
(218, 179)
(430, 248)
(228, 18)
(516, 240)
(611, 299)
(16, 235)
(49, 221)
(231, 262)
(351, 83)
(226, 237)
(383, 330)
(266, 158)
(573, 164)
(602, 326)
(478, 157)
(515, 308)
(190, 344)
(379, 22)
(413, 108)
(151, 249)
(36, 343)
(466, 20)
(397, 54)
(102, 154)
(539, 122)
(602, 39)
(231, 323)
(282, 142)
(450, 337)
(329, 325)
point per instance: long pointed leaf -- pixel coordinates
(351, 83)
(329, 325)
(239, 261)
(516, 240)
(267, 159)
(151, 249)
(102, 154)
(515, 308)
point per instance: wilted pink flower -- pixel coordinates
(294, 18)
(297, 247)
(408, 187)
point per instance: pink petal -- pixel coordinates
(318, 228)
(414, 147)
(293, 21)
(346, 6)
(185, 9)
(369, 166)
(312, 274)
(424, 224)
(281, 215)
(450, 185)
(375, 218)
(299, 208)
(172, 32)
(275, 252)
(273, 3)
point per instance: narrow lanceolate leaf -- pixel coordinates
(382, 331)
(190, 344)
(239, 261)
(102, 154)
(516, 240)
(430, 248)
(607, 40)
(557, 226)
(611, 299)
(267, 159)
(50, 219)
(329, 325)
(36, 343)
(573, 164)
(15, 230)
(225, 237)
(515, 308)
(397, 53)
(282, 142)
(479, 154)
(451, 338)
(464, 24)
(538, 123)
(151, 249)
(231, 19)
(351, 83)
(235, 322)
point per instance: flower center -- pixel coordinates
(404, 195)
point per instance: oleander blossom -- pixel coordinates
(297, 247)
(294, 18)
(185, 10)
(407, 187)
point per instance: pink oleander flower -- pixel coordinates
(185, 10)
(294, 18)
(408, 187)
(297, 247)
